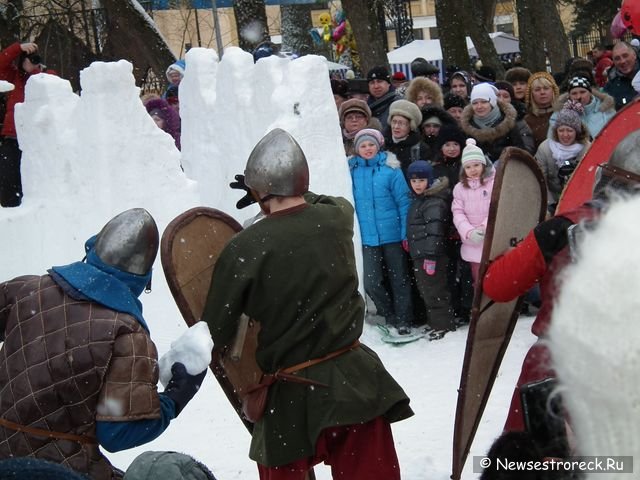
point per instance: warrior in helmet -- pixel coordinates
(78, 369)
(294, 272)
(541, 256)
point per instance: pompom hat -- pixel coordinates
(570, 116)
(370, 134)
(473, 153)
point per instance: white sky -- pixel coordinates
(87, 158)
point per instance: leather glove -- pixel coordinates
(477, 235)
(240, 185)
(429, 267)
(183, 386)
(405, 245)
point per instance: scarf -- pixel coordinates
(489, 120)
(347, 135)
(561, 153)
(103, 283)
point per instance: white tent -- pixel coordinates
(430, 50)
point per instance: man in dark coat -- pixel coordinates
(294, 272)
(381, 94)
(78, 369)
(620, 76)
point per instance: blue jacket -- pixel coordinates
(597, 112)
(382, 198)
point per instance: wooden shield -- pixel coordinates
(518, 203)
(579, 188)
(189, 250)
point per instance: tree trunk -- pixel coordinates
(10, 23)
(452, 30)
(531, 44)
(480, 37)
(363, 16)
(295, 26)
(488, 9)
(556, 41)
(131, 36)
(251, 23)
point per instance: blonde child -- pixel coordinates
(471, 200)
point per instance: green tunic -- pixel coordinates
(295, 273)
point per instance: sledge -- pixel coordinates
(579, 188)
(189, 249)
(518, 203)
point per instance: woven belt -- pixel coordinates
(48, 433)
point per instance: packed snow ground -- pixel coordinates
(88, 157)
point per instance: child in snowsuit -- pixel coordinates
(471, 199)
(382, 202)
(427, 230)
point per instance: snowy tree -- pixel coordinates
(251, 22)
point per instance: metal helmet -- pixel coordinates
(622, 171)
(129, 241)
(277, 166)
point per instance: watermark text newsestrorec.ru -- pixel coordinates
(597, 464)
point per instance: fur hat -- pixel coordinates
(423, 84)
(578, 81)
(370, 134)
(340, 87)
(484, 91)
(450, 133)
(503, 85)
(517, 74)
(570, 116)
(420, 67)
(537, 76)
(379, 73)
(354, 105)
(420, 169)
(408, 110)
(452, 100)
(473, 153)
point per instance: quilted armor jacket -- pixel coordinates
(66, 364)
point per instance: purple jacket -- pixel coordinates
(470, 209)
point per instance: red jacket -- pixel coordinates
(10, 72)
(602, 66)
(539, 257)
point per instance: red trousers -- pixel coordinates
(354, 452)
(536, 366)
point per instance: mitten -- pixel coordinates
(405, 245)
(429, 266)
(240, 185)
(183, 386)
(477, 235)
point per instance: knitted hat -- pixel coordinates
(570, 115)
(379, 73)
(473, 153)
(485, 91)
(408, 110)
(370, 134)
(578, 81)
(433, 120)
(450, 133)
(452, 100)
(354, 105)
(399, 76)
(502, 85)
(541, 75)
(517, 74)
(420, 169)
